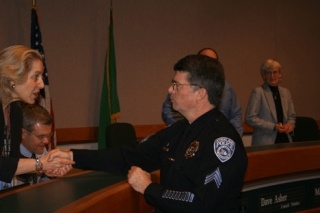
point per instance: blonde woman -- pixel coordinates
(21, 71)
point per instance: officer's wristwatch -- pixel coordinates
(39, 166)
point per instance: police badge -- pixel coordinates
(192, 149)
(224, 148)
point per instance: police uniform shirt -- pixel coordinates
(202, 165)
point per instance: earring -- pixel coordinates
(13, 86)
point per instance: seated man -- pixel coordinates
(36, 135)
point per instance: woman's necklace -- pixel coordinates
(275, 95)
(7, 137)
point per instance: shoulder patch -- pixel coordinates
(224, 148)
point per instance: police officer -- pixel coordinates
(201, 158)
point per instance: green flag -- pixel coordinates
(109, 105)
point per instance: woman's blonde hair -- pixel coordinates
(15, 65)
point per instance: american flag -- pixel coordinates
(36, 43)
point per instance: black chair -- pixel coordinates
(306, 129)
(119, 134)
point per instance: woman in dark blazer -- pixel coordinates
(270, 109)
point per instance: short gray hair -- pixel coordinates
(268, 65)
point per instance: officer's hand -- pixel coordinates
(139, 179)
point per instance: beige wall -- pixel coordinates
(150, 36)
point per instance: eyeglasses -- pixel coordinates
(272, 73)
(42, 137)
(176, 85)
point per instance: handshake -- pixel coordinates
(57, 163)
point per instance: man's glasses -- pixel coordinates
(42, 137)
(176, 85)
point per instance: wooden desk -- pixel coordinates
(290, 171)
(54, 194)
(93, 191)
(282, 159)
(84, 191)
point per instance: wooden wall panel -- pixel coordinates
(90, 134)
